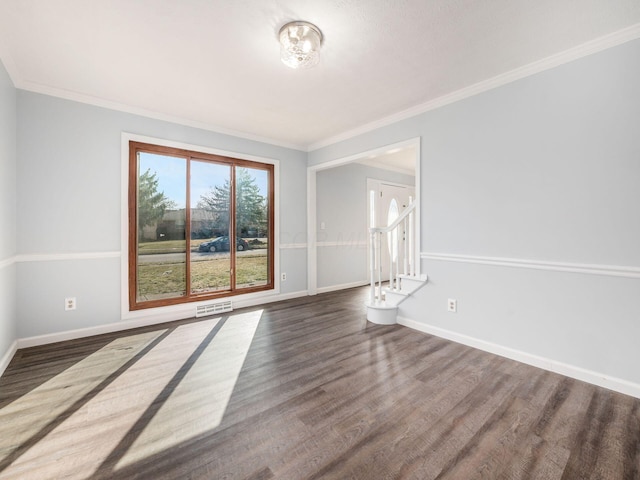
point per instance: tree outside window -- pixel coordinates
(182, 205)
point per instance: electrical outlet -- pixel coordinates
(452, 305)
(70, 303)
(283, 277)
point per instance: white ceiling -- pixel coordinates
(215, 63)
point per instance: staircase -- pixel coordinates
(399, 237)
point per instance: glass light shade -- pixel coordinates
(300, 44)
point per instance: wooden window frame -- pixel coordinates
(192, 155)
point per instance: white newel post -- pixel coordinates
(412, 265)
(372, 266)
(404, 247)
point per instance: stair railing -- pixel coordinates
(401, 234)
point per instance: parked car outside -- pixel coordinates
(221, 244)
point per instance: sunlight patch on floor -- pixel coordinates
(91, 433)
(27, 416)
(198, 403)
(99, 419)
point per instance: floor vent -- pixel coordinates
(213, 308)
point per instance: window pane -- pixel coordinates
(210, 196)
(161, 245)
(252, 261)
(200, 226)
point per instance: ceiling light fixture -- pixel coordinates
(300, 44)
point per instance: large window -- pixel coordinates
(200, 226)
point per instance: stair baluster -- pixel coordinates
(403, 280)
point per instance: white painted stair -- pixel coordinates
(384, 311)
(399, 238)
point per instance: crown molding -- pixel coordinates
(143, 112)
(594, 46)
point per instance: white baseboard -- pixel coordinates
(153, 319)
(589, 376)
(343, 286)
(6, 358)
(275, 298)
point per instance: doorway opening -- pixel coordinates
(396, 169)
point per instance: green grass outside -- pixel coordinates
(166, 246)
(163, 280)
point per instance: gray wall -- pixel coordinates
(341, 203)
(8, 157)
(545, 169)
(69, 199)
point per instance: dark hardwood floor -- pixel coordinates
(302, 389)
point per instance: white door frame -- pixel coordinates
(312, 253)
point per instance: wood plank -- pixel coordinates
(321, 393)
